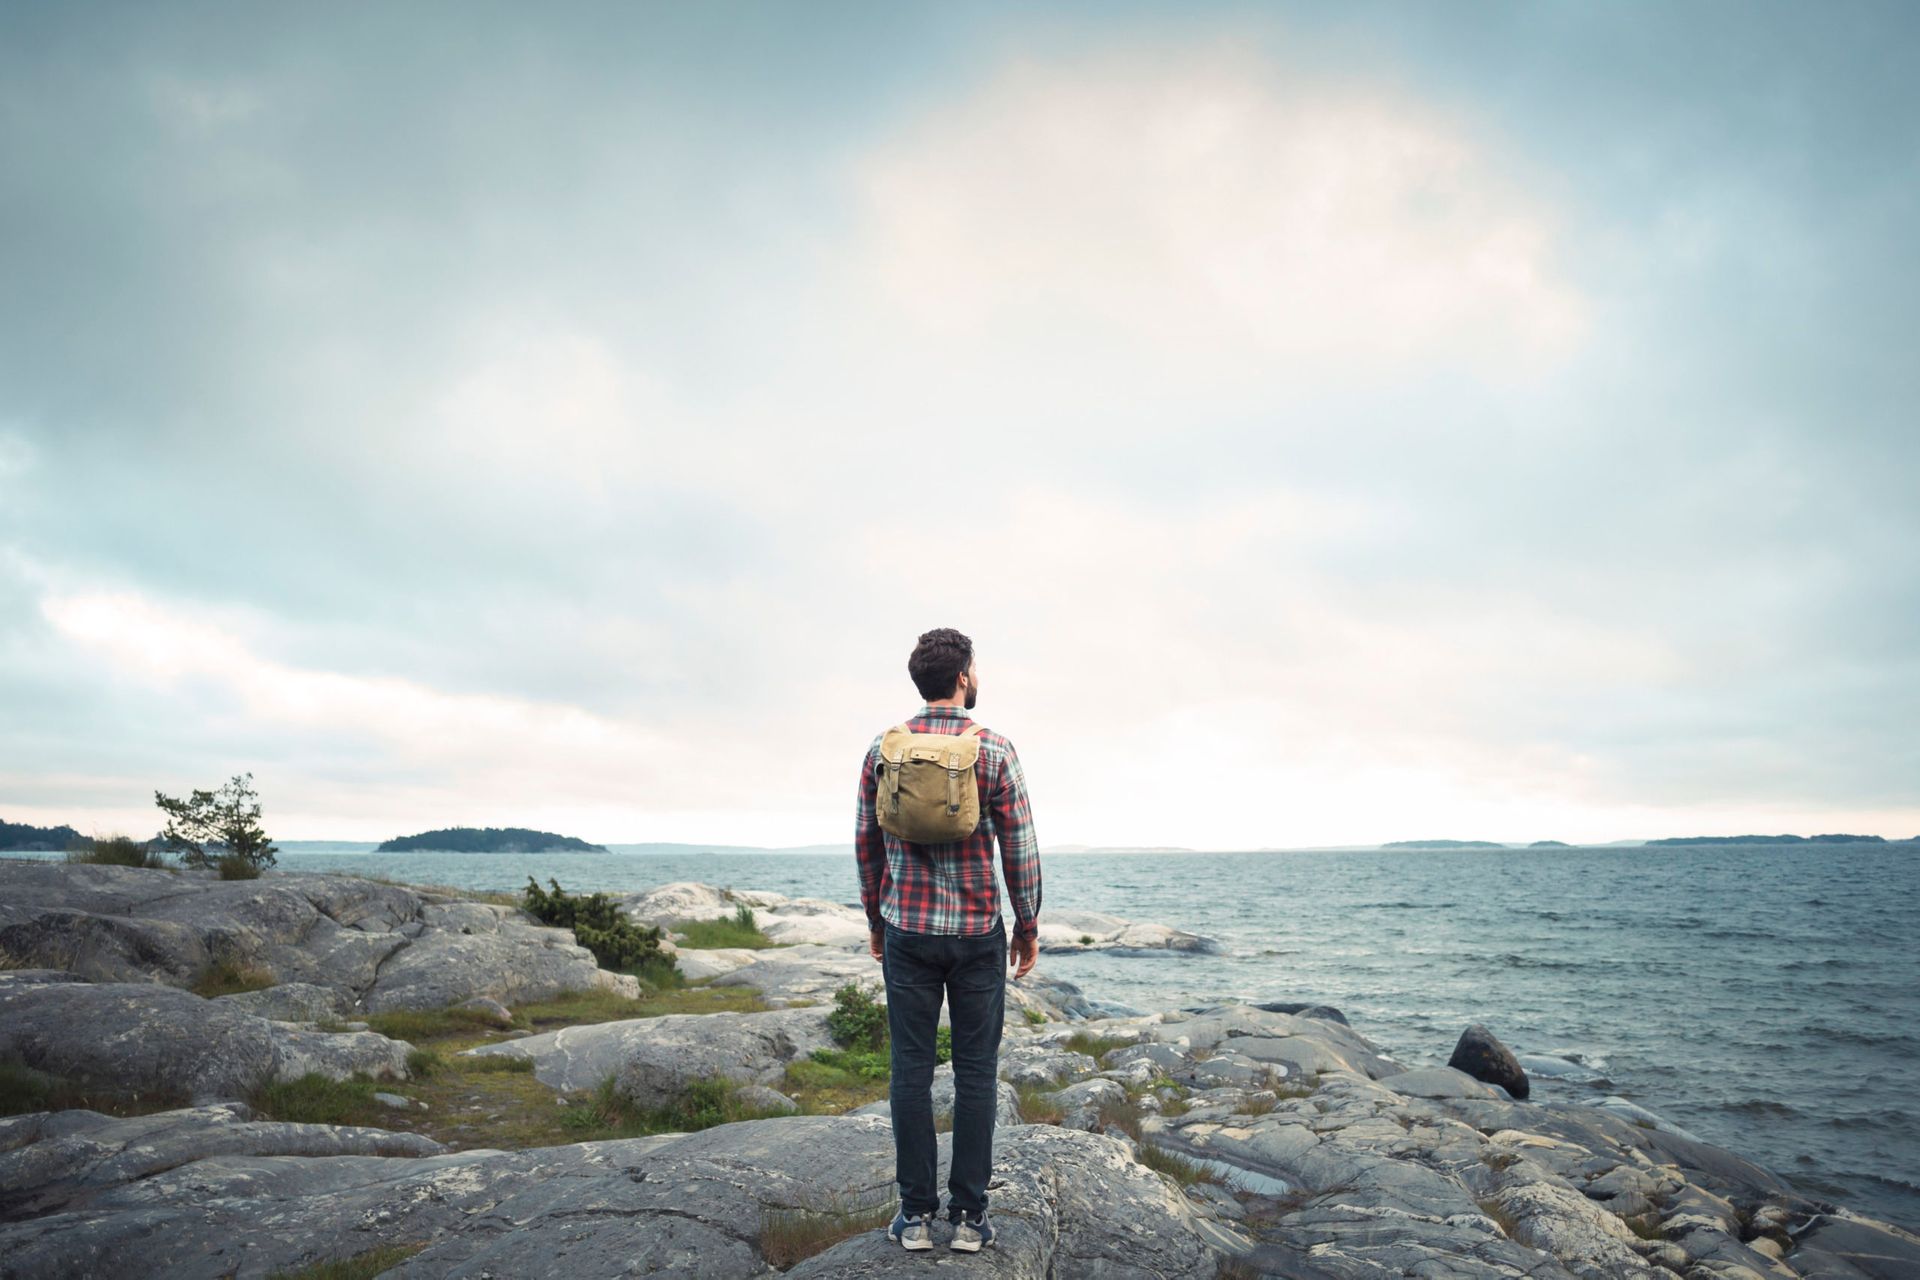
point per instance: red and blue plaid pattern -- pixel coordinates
(951, 888)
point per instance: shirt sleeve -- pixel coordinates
(1019, 847)
(870, 845)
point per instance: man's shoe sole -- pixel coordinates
(915, 1246)
(968, 1246)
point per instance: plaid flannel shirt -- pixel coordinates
(951, 888)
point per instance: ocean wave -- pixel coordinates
(1761, 1107)
(1874, 1039)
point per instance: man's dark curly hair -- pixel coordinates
(937, 661)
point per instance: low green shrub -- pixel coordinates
(599, 925)
(857, 1021)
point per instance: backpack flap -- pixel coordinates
(927, 792)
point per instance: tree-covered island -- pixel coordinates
(490, 840)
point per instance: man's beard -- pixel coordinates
(973, 695)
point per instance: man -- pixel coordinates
(933, 912)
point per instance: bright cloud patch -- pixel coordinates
(1214, 202)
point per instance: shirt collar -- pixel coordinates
(943, 713)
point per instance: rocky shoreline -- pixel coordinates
(1234, 1140)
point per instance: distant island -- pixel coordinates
(1443, 844)
(489, 840)
(1827, 839)
(20, 837)
(1549, 844)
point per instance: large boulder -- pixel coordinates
(1480, 1054)
(654, 1059)
(143, 1038)
(379, 946)
(51, 1159)
(216, 1196)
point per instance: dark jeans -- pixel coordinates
(972, 974)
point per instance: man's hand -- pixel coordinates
(877, 944)
(1021, 954)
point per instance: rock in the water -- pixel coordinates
(1481, 1055)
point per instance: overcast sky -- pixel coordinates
(1333, 423)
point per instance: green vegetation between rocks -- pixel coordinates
(791, 1236)
(704, 1103)
(118, 851)
(362, 1266)
(490, 1101)
(737, 930)
(228, 976)
(24, 1089)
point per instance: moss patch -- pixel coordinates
(362, 1266)
(24, 1089)
(228, 977)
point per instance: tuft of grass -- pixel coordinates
(1647, 1226)
(24, 1089)
(315, 1099)
(237, 866)
(1236, 1269)
(1038, 1106)
(497, 1063)
(1093, 1046)
(422, 1063)
(1034, 1017)
(706, 1102)
(1501, 1218)
(1259, 1103)
(228, 976)
(1124, 1115)
(791, 1236)
(738, 930)
(1174, 1165)
(1086, 939)
(428, 1024)
(362, 1266)
(118, 851)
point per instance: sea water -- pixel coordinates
(1766, 999)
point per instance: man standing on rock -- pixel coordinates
(933, 911)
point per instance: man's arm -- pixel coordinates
(870, 845)
(1019, 847)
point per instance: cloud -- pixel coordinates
(1214, 206)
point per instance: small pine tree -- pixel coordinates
(229, 819)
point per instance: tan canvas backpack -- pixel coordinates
(927, 794)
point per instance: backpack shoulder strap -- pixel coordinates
(973, 730)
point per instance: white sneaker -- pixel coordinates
(972, 1234)
(914, 1232)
